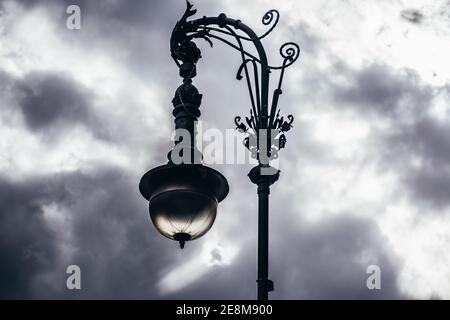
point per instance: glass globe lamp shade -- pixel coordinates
(183, 199)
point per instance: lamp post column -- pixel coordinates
(263, 241)
(263, 177)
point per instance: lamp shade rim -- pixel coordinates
(195, 176)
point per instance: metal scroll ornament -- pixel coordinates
(254, 68)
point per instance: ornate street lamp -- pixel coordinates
(183, 194)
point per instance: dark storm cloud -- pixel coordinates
(48, 100)
(51, 103)
(424, 137)
(27, 245)
(404, 99)
(412, 15)
(380, 89)
(425, 141)
(331, 258)
(431, 186)
(326, 260)
(117, 251)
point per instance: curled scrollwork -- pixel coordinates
(254, 68)
(269, 17)
(290, 51)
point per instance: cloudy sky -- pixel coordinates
(365, 176)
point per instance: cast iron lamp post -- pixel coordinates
(183, 194)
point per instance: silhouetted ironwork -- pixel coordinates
(186, 54)
(264, 127)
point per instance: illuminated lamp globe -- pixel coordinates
(183, 199)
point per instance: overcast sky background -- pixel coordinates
(365, 174)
